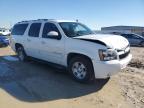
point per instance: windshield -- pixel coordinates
(74, 29)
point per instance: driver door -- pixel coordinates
(52, 48)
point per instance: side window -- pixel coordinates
(124, 35)
(129, 36)
(19, 29)
(48, 27)
(34, 30)
(135, 37)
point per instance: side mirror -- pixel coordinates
(53, 34)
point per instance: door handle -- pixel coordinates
(43, 42)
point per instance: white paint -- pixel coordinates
(56, 51)
(10, 58)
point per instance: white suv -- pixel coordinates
(73, 45)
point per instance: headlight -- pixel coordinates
(106, 55)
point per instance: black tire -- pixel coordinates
(21, 54)
(89, 76)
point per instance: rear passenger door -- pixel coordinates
(32, 41)
(52, 48)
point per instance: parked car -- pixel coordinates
(134, 39)
(4, 32)
(73, 45)
(4, 41)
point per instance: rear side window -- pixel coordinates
(19, 29)
(34, 30)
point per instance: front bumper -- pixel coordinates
(108, 68)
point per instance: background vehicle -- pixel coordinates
(134, 39)
(4, 32)
(4, 41)
(73, 45)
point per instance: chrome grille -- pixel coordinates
(122, 56)
(124, 52)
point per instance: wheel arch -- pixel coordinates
(72, 55)
(141, 43)
(18, 45)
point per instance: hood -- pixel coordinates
(111, 41)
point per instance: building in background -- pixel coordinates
(123, 29)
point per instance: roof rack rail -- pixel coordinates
(36, 20)
(46, 19)
(22, 21)
(43, 19)
(26, 21)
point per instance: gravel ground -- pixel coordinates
(37, 85)
(132, 79)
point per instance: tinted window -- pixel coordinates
(19, 29)
(130, 36)
(48, 27)
(124, 35)
(34, 30)
(135, 37)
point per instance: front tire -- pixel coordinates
(21, 54)
(81, 69)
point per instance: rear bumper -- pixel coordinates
(109, 68)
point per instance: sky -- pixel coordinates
(94, 13)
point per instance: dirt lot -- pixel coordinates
(37, 85)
